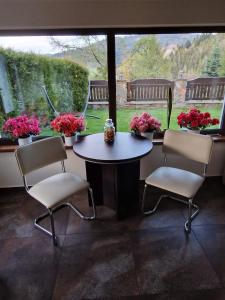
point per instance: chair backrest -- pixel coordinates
(40, 154)
(194, 146)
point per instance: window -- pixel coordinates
(45, 75)
(128, 74)
(147, 65)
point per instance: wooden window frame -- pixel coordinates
(111, 51)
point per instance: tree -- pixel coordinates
(146, 60)
(193, 60)
(222, 66)
(201, 38)
(85, 50)
(213, 63)
(187, 44)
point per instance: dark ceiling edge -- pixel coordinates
(102, 31)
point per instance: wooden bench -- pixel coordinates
(205, 89)
(149, 90)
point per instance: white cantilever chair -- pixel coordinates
(53, 190)
(193, 146)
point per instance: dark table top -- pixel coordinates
(126, 147)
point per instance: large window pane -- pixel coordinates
(45, 75)
(193, 65)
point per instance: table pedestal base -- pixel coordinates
(115, 185)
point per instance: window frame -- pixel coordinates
(110, 34)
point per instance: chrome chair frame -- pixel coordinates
(50, 211)
(189, 203)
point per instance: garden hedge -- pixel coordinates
(65, 81)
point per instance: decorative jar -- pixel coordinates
(109, 131)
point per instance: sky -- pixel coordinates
(35, 44)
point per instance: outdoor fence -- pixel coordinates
(205, 89)
(99, 90)
(149, 89)
(156, 91)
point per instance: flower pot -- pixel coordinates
(24, 141)
(148, 135)
(70, 140)
(193, 130)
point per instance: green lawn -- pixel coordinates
(124, 116)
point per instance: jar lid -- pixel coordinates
(108, 121)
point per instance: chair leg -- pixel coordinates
(50, 233)
(79, 213)
(190, 204)
(188, 228)
(53, 228)
(187, 225)
(61, 205)
(149, 212)
(36, 223)
(191, 216)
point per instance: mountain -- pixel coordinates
(186, 52)
(191, 54)
(124, 44)
(179, 39)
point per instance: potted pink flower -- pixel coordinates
(69, 125)
(22, 128)
(145, 125)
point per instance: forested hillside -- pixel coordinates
(162, 55)
(205, 56)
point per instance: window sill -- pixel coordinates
(216, 138)
(12, 148)
(7, 148)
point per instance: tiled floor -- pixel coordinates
(137, 258)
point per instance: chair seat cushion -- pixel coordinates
(56, 188)
(175, 180)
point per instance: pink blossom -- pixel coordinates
(68, 124)
(22, 126)
(144, 123)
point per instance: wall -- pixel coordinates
(53, 14)
(10, 177)
(39, 14)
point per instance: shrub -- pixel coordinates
(65, 81)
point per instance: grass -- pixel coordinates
(124, 116)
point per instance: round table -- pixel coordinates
(113, 169)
